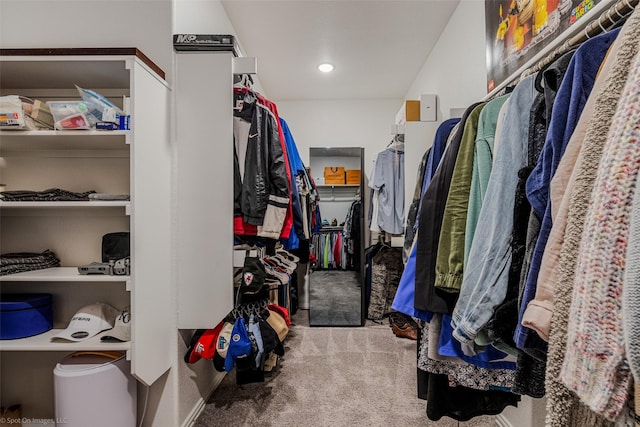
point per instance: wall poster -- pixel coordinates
(516, 30)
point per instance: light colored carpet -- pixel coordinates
(334, 377)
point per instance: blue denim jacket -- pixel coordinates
(486, 275)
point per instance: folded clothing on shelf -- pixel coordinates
(50, 195)
(17, 262)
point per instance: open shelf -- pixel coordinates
(18, 141)
(53, 205)
(60, 274)
(43, 342)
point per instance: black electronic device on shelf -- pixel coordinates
(206, 42)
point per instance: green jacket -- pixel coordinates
(450, 258)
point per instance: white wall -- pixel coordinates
(340, 123)
(143, 24)
(455, 71)
(456, 68)
(206, 17)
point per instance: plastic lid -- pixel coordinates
(23, 301)
(83, 360)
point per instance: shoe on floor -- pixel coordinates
(405, 331)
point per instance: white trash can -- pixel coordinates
(94, 389)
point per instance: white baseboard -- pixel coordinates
(199, 406)
(502, 421)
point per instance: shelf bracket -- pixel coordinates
(127, 210)
(127, 285)
(128, 355)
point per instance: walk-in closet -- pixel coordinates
(346, 213)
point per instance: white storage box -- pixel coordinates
(95, 389)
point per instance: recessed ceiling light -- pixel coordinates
(325, 68)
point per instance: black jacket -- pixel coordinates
(261, 190)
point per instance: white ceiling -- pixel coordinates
(377, 46)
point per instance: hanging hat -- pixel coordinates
(253, 275)
(240, 345)
(203, 344)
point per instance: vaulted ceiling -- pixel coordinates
(377, 46)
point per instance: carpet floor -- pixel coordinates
(338, 377)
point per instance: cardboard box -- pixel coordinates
(334, 175)
(412, 111)
(353, 176)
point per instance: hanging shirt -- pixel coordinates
(297, 167)
(485, 279)
(388, 179)
(327, 245)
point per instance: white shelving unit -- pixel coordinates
(45, 342)
(335, 199)
(60, 274)
(337, 193)
(53, 205)
(136, 162)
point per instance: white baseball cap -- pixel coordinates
(122, 329)
(89, 321)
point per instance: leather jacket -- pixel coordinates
(261, 187)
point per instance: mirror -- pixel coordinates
(336, 297)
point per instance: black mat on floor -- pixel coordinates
(334, 298)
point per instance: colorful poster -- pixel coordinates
(517, 30)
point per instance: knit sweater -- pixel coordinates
(562, 407)
(595, 365)
(631, 294)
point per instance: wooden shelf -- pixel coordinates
(44, 342)
(60, 274)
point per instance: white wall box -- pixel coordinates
(135, 162)
(428, 108)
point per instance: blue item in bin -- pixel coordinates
(25, 315)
